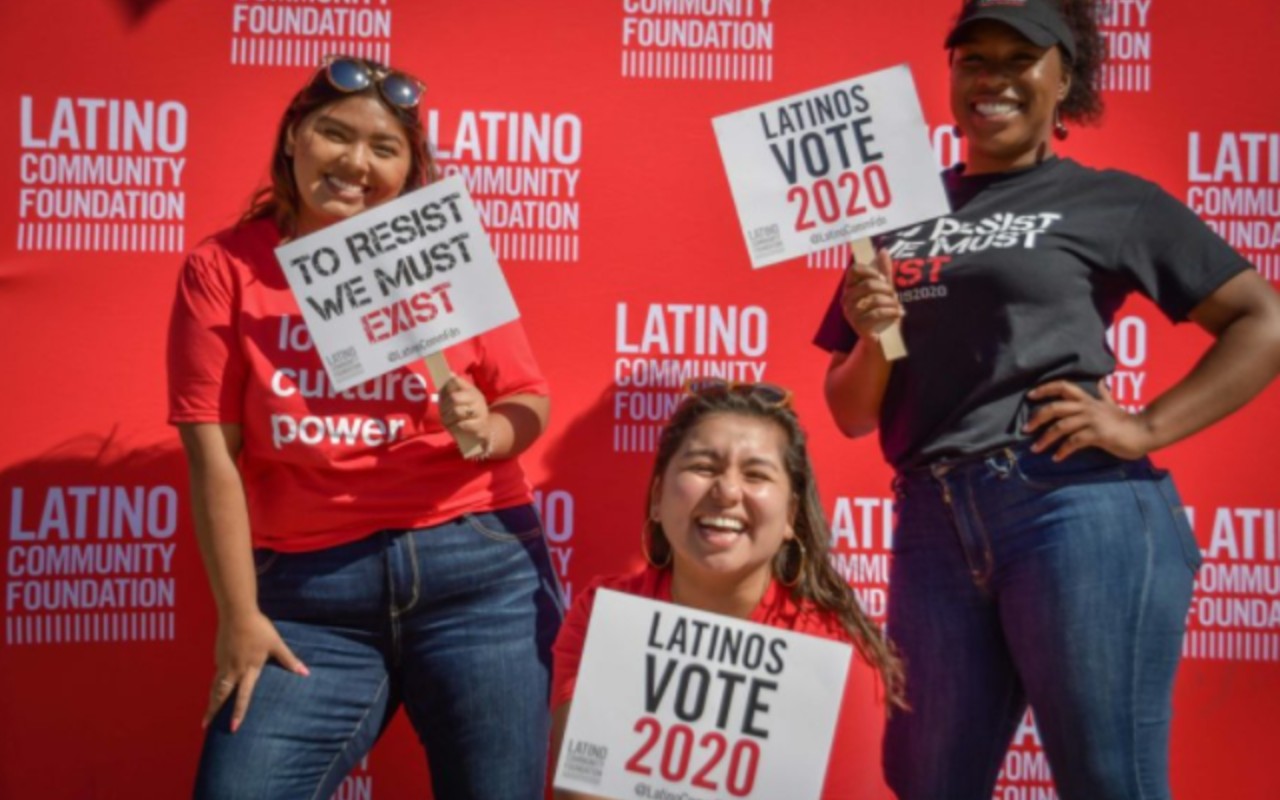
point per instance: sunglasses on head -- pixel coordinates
(767, 394)
(351, 74)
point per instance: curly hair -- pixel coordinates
(816, 580)
(279, 199)
(1083, 103)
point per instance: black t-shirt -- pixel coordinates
(1017, 287)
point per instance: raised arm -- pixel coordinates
(856, 381)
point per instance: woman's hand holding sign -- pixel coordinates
(869, 300)
(464, 411)
(856, 380)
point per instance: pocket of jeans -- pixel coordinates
(264, 560)
(1181, 522)
(519, 524)
(1040, 471)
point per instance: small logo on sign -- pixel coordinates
(767, 239)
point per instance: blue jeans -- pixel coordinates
(1018, 580)
(455, 622)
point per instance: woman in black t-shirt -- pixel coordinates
(1039, 556)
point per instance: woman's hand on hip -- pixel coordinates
(869, 301)
(244, 644)
(1073, 419)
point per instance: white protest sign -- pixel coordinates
(699, 705)
(398, 282)
(828, 166)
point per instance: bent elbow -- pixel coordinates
(1265, 334)
(854, 428)
(857, 432)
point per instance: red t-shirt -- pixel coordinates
(322, 468)
(853, 770)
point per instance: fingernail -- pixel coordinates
(302, 670)
(235, 725)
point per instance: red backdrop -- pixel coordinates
(138, 126)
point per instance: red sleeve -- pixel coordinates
(507, 365)
(853, 768)
(566, 653)
(205, 363)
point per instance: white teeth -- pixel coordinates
(724, 523)
(995, 109)
(343, 186)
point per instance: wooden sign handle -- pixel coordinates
(468, 443)
(889, 335)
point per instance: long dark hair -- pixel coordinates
(817, 581)
(279, 200)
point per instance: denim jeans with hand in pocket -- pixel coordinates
(454, 622)
(1066, 585)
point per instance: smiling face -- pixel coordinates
(1004, 90)
(348, 156)
(725, 500)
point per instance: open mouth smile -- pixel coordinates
(995, 109)
(720, 531)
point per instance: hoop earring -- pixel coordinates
(645, 533)
(800, 565)
(1060, 131)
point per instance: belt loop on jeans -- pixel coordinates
(1002, 462)
(944, 465)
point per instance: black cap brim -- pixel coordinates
(1034, 32)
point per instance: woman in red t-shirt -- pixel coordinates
(735, 527)
(357, 560)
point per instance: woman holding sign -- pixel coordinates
(734, 526)
(357, 560)
(1039, 558)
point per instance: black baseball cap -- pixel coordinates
(1038, 20)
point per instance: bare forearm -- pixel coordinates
(1243, 359)
(856, 381)
(854, 388)
(222, 527)
(516, 422)
(246, 639)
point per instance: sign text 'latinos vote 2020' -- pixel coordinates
(398, 282)
(698, 705)
(831, 165)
